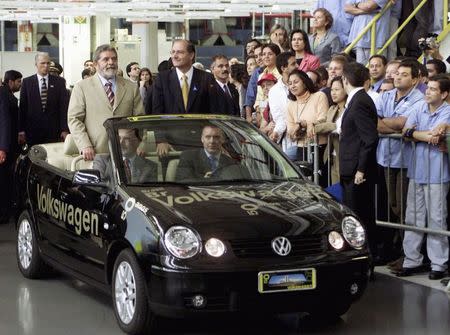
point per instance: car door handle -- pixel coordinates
(64, 195)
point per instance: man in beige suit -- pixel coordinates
(95, 99)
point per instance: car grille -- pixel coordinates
(301, 246)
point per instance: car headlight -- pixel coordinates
(336, 240)
(354, 232)
(182, 242)
(215, 247)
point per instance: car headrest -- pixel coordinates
(70, 148)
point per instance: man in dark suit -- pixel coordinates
(183, 89)
(43, 105)
(226, 92)
(207, 162)
(137, 169)
(9, 148)
(358, 145)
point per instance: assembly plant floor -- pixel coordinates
(62, 305)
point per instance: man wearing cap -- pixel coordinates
(43, 105)
(263, 119)
(226, 92)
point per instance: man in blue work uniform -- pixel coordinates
(341, 22)
(393, 108)
(363, 12)
(429, 182)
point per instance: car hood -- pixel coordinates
(253, 210)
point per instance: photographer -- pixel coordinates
(430, 49)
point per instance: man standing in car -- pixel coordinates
(97, 98)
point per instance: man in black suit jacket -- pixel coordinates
(207, 162)
(226, 92)
(43, 105)
(168, 87)
(357, 148)
(183, 89)
(9, 148)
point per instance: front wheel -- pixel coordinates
(29, 260)
(129, 294)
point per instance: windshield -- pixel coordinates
(188, 151)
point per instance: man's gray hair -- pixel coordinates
(40, 55)
(103, 48)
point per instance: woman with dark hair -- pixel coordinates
(250, 65)
(279, 36)
(306, 108)
(269, 57)
(323, 42)
(331, 155)
(145, 82)
(300, 45)
(239, 78)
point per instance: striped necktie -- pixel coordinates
(44, 95)
(184, 90)
(109, 93)
(127, 165)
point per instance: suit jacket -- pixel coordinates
(142, 171)
(359, 137)
(89, 107)
(9, 113)
(168, 99)
(227, 105)
(194, 164)
(43, 126)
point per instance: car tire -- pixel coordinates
(29, 259)
(129, 295)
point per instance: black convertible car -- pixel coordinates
(188, 216)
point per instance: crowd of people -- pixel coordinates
(299, 90)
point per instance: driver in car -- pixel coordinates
(137, 169)
(206, 162)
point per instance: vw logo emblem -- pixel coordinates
(281, 246)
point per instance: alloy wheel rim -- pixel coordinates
(25, 244)
(125, 292)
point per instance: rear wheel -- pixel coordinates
(129, 294)
(29, 259)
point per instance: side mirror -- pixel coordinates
(88, 177)
(305, 167)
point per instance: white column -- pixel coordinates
(102, 30)
(75, 46)
(148, 33)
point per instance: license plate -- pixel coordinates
(288, 280)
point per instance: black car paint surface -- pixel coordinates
(245, 215)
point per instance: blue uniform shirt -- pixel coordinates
(361, 21)
(390, 151)
(252, 88)
(429, 164)
(341, 22)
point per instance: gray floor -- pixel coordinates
(65, 306)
